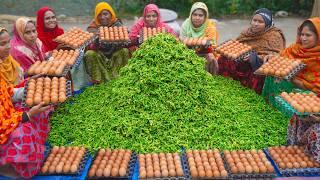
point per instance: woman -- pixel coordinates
(306, 48)
(47, 28)
(22, 134)
(199, 25)
(26, 47)
(104, 63)
(265, 39)
(151, 18)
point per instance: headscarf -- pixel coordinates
(22, 52)
(99, 8)
(266, 15)
(44, 34)
(9, 117)
(136, 28)
(310, 76)
(207, 29)
(9, 68)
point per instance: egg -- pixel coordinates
(51, 169)
(73, 168)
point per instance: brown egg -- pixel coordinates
(44, 169)
(142, 174)
(157, 173)
(114, 172)
(51, 169)
(201, 173)
(73, 168)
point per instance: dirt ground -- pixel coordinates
(227, 28)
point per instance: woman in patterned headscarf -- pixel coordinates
(265, 39)
(26, 47)
(104, 63)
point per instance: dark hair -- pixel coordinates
(311, 27)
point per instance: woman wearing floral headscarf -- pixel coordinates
(26, 48)
(103, 64)
(151, 18)
(265, 39)
(199, 25)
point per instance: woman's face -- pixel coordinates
(30, 33)
(50, 20)
(257, 23)
(4, 45)
(308, 38)
(104, 17)
(198, 17)
(151, 19)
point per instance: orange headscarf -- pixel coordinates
(9, 117)
(104, 6)
(310, 76)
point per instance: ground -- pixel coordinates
(227, 28)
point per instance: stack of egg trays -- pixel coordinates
(130, 170)
(248, 175)
(79, 172)
(83, 46)
(79, 58)
(295, 71)
(242, 56)
(309, 172)
(24, 97)
(283, 104)
(114, 43)
(184, 169)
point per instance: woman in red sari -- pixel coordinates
(47, 28)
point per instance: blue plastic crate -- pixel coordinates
(305, 172)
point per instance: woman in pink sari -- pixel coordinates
(151, 18)
(26, 48)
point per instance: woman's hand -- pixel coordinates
(35, 110)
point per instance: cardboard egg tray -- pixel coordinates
(68, 93)
(80, 170)
(130, 170)
(292, 172)
(248, 175)
(286, 107)
(184, 169)
(239, 58)
(288, 77)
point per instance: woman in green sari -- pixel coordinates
(104, 63)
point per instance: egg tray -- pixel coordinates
(186, 169)
(114, 43)
(83, 46)
(208, 44)
(24, 97)
(288, 77)
(77, 173)
(130, 169)
(63, 74)
(309, 172)
(286, 107)
(79, 58)
(242, 56)
(248, 175)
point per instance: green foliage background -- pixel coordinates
(129, 8)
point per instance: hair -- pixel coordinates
(203, 11)
(311, 27)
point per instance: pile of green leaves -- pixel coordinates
(164, 100)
